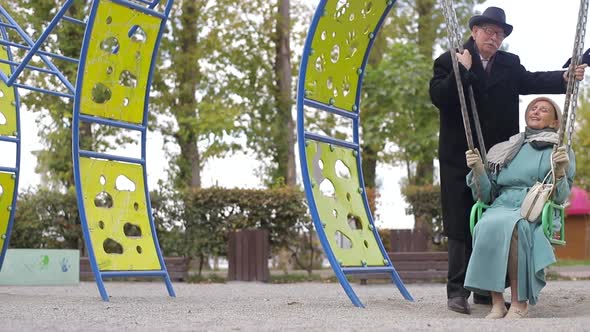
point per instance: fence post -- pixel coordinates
(247, 255)
(404, 240)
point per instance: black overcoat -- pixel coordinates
(497, 99)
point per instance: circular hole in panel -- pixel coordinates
(348, 197)
(321, 164)
(101, 93)
(128, 79)
(135, 206)
(111, 246)
(319, 64)
(366, 244)
(109, 70)
(139, 250)
(335, 54)
(1, 93)
(137, 34)
(327, 188)
(329, 83)
(103, 200)
(2, 119)
(345, 89)
(131, 230)
(101, 224)
(109, 20)
(333, 34)
(103, 180)
(351, 17)
(110, 45)
(368, 7)
(342, 170)
(323, 35)
(137, 55)
(342, 241)
(125, 101)
(123, 183)
(354, 222)
(335, 92)
(335, 213)
(341, 6)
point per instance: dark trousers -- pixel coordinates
(459, 253)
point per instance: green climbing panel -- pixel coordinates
(339, 46)
(7, 101)
(334, 174)
(115, 82)
(116, 211)
(6, 196)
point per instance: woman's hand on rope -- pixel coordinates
(578, 73)
(560, 162)
(465, 59)
(474, 161)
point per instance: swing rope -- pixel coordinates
(455, 44)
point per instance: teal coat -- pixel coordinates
(487, 269)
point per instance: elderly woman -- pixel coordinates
(505, 244)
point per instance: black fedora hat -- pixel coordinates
(493, 15)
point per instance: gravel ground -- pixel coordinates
(564, 305)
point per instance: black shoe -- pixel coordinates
(482, 299)
(459, 304)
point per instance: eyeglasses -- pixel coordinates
(490, 32)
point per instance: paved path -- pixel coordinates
(141, 306)
(574, 271)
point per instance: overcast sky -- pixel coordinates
(543, 37)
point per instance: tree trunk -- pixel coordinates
(369, 166)
(188, 74)
(369, 151)
(286, 151)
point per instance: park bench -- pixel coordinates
(177, 268)
(422, 266)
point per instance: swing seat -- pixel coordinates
(555, 238)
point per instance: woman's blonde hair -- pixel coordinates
(550, 101)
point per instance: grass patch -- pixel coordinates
(293, 278)
(206, 279)
(553, 276)
(572, 262)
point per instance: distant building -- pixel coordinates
(577, 227)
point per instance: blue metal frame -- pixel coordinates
(34, 48)
(16, 170)
(302, 137)
(77, 153)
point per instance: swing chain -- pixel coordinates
(571, 97)
(455, 45)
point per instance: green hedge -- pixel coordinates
(47, 219)
(196, 224)
(425, 204)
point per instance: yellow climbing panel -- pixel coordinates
(116, 211)
(339, 46)
(7, 101)
(334, 175)
(115, 81)
(6, 196)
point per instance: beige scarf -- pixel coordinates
(502, 153)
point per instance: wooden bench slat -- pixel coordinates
(413, 266)
(418, 256)
(177, 268)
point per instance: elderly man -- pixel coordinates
(497, 78)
